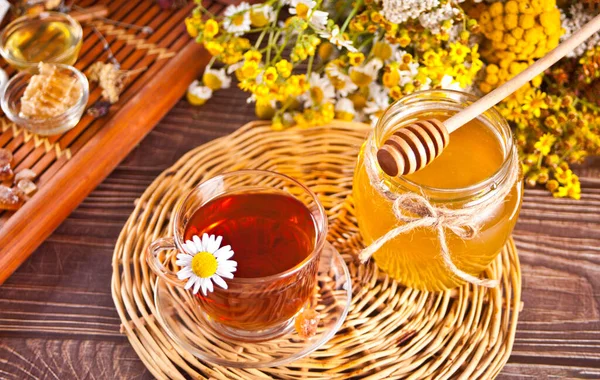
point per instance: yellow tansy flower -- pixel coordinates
(211, 28)
(253, 56)
(284, 68)
(214, 48)
(535, 102)
(270, 76)
(249, 70)
(545, 143)
(458, 52)
(356, 59)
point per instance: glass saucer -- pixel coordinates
(192, 329)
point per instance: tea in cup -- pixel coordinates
(248, 247)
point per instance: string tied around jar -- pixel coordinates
(416, 211)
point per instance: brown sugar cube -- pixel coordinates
(9, 199)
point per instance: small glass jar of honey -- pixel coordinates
(479, 167)
(49, 37)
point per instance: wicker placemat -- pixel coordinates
(391, 332)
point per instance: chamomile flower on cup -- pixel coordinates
(205, 262)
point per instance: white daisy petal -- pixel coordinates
(211, 247)
(190, 247)
(219, 240)
(219, 281)
(198, 242)
(203, 285)
(198, 285)
(224, 273)
(183, 260)
(228, 264)
(184, 256)
(205, 241)
(185, 273)
(223, 253)
(190, 282)
(209, 285)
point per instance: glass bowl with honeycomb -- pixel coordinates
(49, 37)
(48, 99)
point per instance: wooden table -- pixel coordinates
(57, 318)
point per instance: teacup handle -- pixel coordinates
(156, 265)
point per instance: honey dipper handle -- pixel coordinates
(494, 97)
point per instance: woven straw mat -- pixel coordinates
(391, 332)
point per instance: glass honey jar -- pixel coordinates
(477, 175)
(49, 37)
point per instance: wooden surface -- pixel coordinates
(71, 165)
(57, 318)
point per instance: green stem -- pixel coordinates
(310, 63)
(285, 42)
(205, 11)
(357, 5)
(268, 61)
(260, 38)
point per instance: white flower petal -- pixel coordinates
(198, 242)
(211, 246)
(219, 240)
(184, 260)
(223, 253)
(224, 273)
(184, 256)
(228, 264)
(190, 282)
(209, 285)
(219, 281)
(198, 285)
(228, 267)
(184, 273)
(190, 247)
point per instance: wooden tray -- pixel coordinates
(70, 165)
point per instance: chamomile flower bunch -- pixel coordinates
(304, 62)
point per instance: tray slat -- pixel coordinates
(70, 165)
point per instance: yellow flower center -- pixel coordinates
(258, 18)
(343, 115)
(211, 81)
(237, 19)
(204, 264)
(359, 101)
(302, 10)
(382, 50)
(317, 94)
(360, 79)
(391, 78)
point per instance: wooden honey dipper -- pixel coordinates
(413, 147)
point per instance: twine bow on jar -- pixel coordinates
(415, 211)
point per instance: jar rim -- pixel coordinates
(446, 100)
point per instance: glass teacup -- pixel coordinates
(276, 228)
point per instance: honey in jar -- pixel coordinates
(47, 37)
(479, 163)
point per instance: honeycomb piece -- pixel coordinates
(49, 93)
